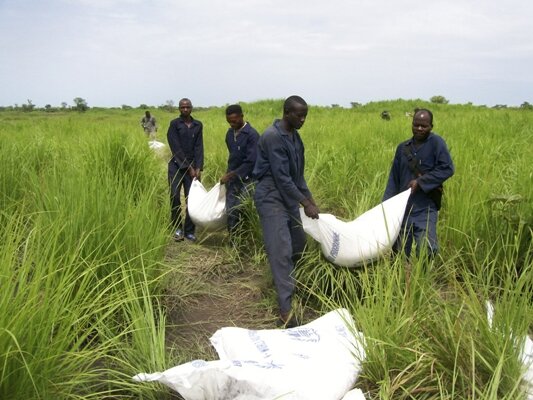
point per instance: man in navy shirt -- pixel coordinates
(241, 140)
(280, 189)
(185, 138)
(421, 163)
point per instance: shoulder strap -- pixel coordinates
(412, 161)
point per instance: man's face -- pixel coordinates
(421, 126)
(296, 115)
(236, 121)
(185, 108)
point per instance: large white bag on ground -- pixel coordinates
(207, 209)
(159, 148)
(364, 239)
(155, 145)
(319, 360)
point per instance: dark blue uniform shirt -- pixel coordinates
(186, 143)
(435, 164)
(242, 151)
(280, 164)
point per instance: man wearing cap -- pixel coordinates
(421, 163)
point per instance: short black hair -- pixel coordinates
(234, 109)
(424, 110)
(290, 101)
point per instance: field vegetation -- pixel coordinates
(86, 279)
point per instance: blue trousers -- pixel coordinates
(284, 240)
(235, 190)
(420, 227)
(178, 178)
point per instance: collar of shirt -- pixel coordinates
(412, 140)
(192, 122)
(236, 132)
(279, 127)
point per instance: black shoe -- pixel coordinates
(178, 236)
(190, 237)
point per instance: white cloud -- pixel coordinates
(335, 52)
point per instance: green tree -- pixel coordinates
(80, 104)
(439, 100)
(28, 107)
(169, 106)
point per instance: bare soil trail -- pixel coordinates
(210, 288)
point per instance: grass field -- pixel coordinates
(84, 227)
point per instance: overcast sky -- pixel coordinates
(114, 52)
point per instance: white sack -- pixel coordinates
(526, 355)
(364, 239)
(527, 361)
(354, 394)
(310, 362)
(155, 145)
(207, 209)
(210, 380)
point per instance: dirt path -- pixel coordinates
(211, 288)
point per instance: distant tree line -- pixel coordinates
(443, 100)
(80, 105)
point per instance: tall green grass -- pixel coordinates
(84, 223)
(83, 229)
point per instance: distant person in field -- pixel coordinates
(149, 125)
(421, 163)
(281, 188)
(241, 141)
(185, 138)
(385, 115)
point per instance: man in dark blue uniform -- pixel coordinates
(241, 140)
(185, 138)
(280, 189)
(421, 163)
